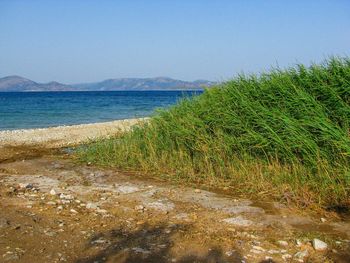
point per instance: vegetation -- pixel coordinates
(284, 133)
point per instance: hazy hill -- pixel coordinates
(16, 83)
(19, 84)
(161, 83)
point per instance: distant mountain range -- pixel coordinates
(20, 84)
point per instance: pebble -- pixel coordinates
(53, 192)
(255, 251)
(139, 208)
(99, 241)
(301, 254)
(140, 250)
(282, 243)
(319, 245)
(51, 203)
(66, 197)
(229, 253)
(25, 185)
(323, 219)
(197, 190)
(259, 248)
(74, 211)
(286, 256)
(91, 206)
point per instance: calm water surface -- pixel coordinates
(45, 109)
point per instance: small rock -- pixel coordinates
(140, 250)
(197, 190)
(127, 189)
(139, 208)
(51, 203)
(323, 219)
(301, 254)
(25, 185)
(319, 245)
(91, 206)
(53, 192)
(286, 256)
(259, 248)
(74, 211)
(99, 241)
(282, 243)
(255, 251)
(66, 197)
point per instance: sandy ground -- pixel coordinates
(54, 209)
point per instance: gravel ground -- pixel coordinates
(65, 135)
(56, 210)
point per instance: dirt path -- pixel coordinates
(55, 210)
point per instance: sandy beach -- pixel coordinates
(65, 135)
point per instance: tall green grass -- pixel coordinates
(284, 133)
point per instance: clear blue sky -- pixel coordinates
(83, 41)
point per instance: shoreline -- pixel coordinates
(60, 136)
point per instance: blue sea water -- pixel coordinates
(45, 109)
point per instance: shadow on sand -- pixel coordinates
(150, 244)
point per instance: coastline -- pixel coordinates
(60, 136)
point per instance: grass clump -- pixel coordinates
(284, 133)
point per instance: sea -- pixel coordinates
(27, 110)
